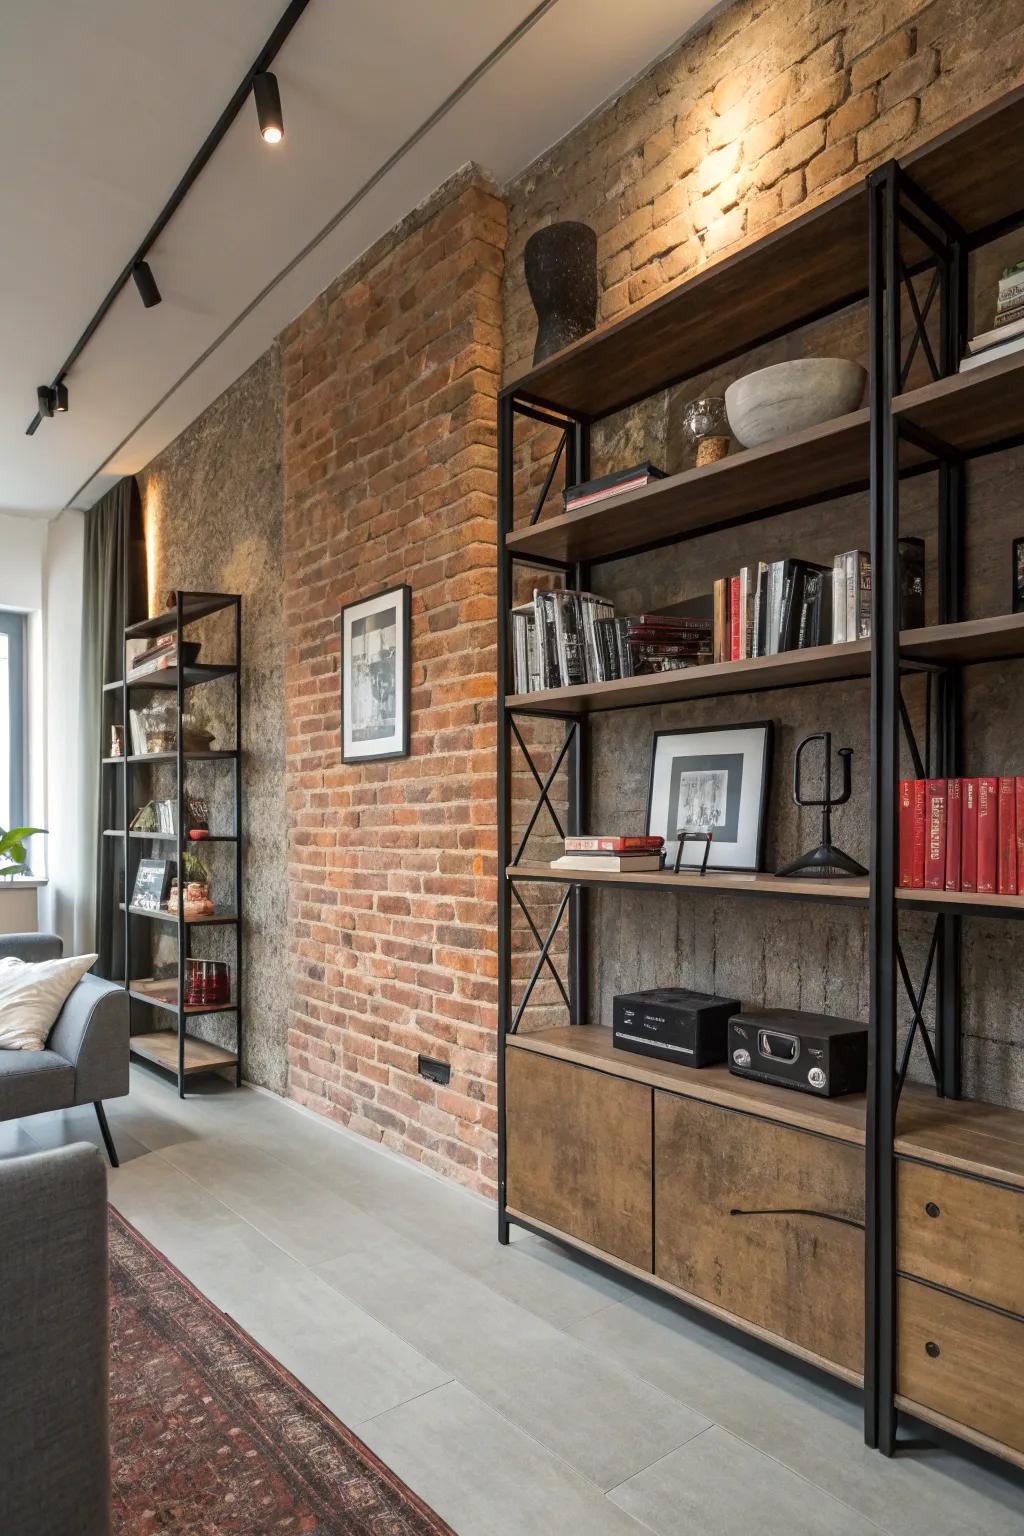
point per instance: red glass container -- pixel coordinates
(207, 983)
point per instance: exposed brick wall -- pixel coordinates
(765, 111)
(390, 383)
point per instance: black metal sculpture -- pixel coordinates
(826, 861)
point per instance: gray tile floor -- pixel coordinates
(520, 1391)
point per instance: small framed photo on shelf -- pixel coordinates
(711, 779)
(375, 655)
(152, 883)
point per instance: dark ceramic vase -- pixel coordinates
(561, 273)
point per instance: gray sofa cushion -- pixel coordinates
(32, 1081)
(54, 1460)
(31, 946)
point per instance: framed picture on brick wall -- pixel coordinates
(375, 635)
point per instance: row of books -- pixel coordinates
(788, 605)
(612, 855)
(1007, 332)
(962, 834)
(566, 639)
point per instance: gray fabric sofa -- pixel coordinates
(86, 1056)
(54, 1428)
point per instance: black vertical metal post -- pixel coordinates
(885, 352)
(579, 462)
(506, 431)
(179, 763)
(126, 749)
(952, 500)
(238, 841)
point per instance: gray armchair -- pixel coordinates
(54, 1456)
(86, 1056)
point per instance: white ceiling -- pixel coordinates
(103, 105)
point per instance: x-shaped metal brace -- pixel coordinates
(917, 1002)
(921, 313)
(543, 958)
(542, 784)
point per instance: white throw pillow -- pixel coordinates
(31, 997)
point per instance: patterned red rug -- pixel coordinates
(211, 1437)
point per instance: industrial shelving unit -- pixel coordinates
(902, 242)
(180, 1052)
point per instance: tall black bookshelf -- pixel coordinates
(178, 1050)
(938, 1328)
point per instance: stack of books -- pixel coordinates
(661, 642)
(565, 639)
(604, 487)
(1007, 333)
(792, 604)
(159, 655)
(612, 855)
(962, 834)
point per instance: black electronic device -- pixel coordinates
(674, 1024)
(809, 1051)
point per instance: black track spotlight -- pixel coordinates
(45, 400)
(145, 282)
(268, 107)
(60, 399)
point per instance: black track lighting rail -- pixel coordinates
(259, 66)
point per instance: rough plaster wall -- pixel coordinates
(213, 506)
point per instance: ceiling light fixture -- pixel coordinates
(60, 398)
(268, 107)
(145, 282)
(262, 85)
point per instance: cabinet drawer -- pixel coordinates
(961, 1233)
(578, 1153)
(763, 1221)
(962, 1361)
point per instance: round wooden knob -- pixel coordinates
(931, 1208)
(932, 1349)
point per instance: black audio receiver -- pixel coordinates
(809, 1051)
(673, 1024)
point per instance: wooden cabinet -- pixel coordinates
(961, 1360)
(578, 1153)
(961, 1233)
(763, 1221)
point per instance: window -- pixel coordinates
(12, 719)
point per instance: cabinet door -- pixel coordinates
(578, 1153)
(964, 1361)
(764, 1221)
(961, 1233)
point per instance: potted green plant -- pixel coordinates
(13, 853)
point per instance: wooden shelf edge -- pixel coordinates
(649, 1278)
(139, 991)
(161, 1048)
(717, 882)
(960, 1431)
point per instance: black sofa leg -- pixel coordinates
(108, 1140)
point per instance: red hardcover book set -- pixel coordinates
(962, 834)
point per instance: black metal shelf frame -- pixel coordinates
(188, 608)
(933, 288)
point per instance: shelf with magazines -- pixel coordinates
(937, 398)
(174, 801)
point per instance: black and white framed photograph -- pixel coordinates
(711, 779)
(375, 636)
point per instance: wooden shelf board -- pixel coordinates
(196, 605)
(170, 837)
(200, 1056)
(191, 922)
(172, 757)
(789, 669)
(822, 461)
(144, 991)
(194, 676)
(715, 881)
(590, 1045)
(970, 411)
(965, 644)
(698, 1302)
(965, 1135)
(813, 265)
(965, 170)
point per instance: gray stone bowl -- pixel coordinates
(788, 397)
